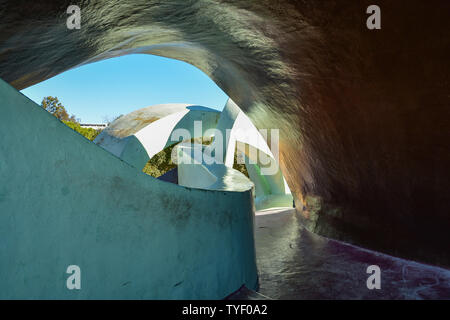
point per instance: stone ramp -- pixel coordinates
(294, 263)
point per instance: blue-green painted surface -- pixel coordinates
(65, 201)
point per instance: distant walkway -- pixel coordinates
(294, 263)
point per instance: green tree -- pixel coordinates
(52, 105)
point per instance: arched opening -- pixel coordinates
(117, 88)
(148, 125)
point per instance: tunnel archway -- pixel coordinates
(362, 128)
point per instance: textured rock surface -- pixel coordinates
(363, 114)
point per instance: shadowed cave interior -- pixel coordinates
(363, 115)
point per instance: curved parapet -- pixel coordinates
(64, 201)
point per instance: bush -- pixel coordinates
(88, 133)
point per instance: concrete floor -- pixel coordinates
(294, 263)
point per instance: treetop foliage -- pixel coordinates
(52, 105)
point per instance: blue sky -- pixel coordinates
(120, 85)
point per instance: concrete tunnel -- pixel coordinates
(363, 114)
